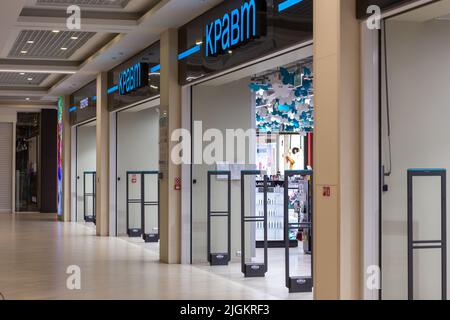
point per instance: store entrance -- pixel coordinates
(138, 174)
(86, 171)
(28, 189)
(257, 128)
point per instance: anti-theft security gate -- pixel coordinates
(89, 196)
(253, 269)
(295, 283)
(427, 244)
(214, 258)
(143, 213)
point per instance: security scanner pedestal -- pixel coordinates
(414, 244)
(150, 205)
(298, 283)
(138, 196)
(89, 196)
(253, 270)
(223, 258)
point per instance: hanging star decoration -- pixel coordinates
(285, 102)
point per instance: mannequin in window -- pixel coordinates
(293, 159)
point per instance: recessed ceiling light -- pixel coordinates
(63, 48)
(55, 31)
(23, 51)
(22, 73)
(28, 99)
(30, 41)
(30, 79)
(74, 38)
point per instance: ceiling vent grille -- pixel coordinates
(25, 79)
(85, 3)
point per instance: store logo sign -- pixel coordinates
(235, 28)
(133, 78)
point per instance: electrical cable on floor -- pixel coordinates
(388, 107)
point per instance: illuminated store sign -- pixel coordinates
(133, 78)
(235, 28)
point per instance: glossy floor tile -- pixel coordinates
(36, 250)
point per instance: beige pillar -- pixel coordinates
(102, 183)
(170, 111)
(337, 260)
(66, 160)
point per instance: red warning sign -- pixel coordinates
(177, 185)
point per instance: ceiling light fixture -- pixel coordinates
(74, 38)
(28, 99)
(63, 48)
(30, 79)
(24, 52)
(22, 73)
(55, 31)
(30, 41)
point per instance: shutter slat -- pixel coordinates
(5, 166)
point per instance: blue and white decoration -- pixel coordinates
(285, 102)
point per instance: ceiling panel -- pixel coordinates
(86, 3)
(48, 44)
(15, 78)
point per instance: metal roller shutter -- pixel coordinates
(5, 167)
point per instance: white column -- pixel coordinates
(170, 200)
(102, 183)
(337, 220)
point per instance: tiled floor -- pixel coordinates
(35, 252)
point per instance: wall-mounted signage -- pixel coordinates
(133, 78)
(239, 31)
(83, 104)
(141, 72)
(236, 27)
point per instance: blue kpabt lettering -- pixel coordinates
(131, 79)
(235, 32)
(248, 20)
(226, 32)
(233, 28)
(217, 33)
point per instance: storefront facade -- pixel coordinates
(223, 81)
(82, 114)
(133, 102)
(403, 148)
